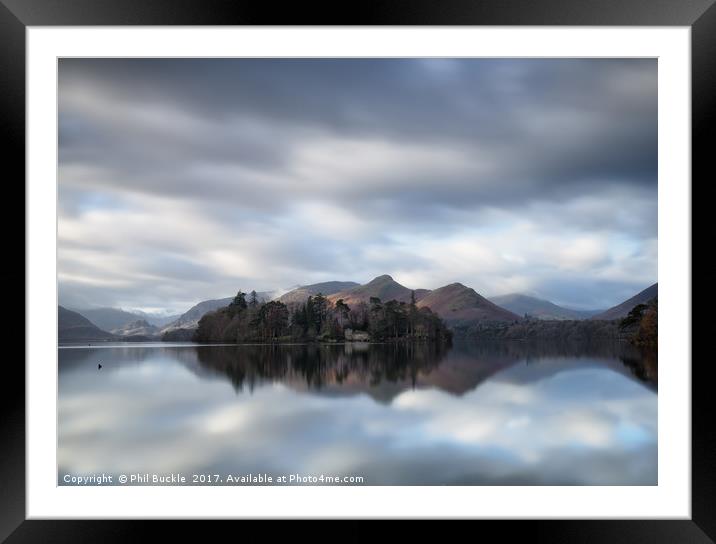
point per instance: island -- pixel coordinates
(247, 320)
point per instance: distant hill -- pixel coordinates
(301, 294)
(458, 304)
(156, 319)
(539, 308)
(453, 303)
(73, 327)
(137, 328)
(108, 318)
(116, 318)
(190, 318)
(620, 311)
(383, 287)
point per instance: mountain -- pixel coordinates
(541, 309)
(458, 304)
(383, 287)
(116, 318)
(137, 328)
(73, 327)
(301, 294)
(158, 320)
(621, 310)
(109, 318)
(454, 303)
(190, 318)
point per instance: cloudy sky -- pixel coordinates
(186, 179)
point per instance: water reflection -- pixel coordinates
(500, 414)
(324, 367)
(374, 368)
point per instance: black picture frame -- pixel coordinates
(16, 15)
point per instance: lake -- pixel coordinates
(357, 414)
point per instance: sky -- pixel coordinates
(182, 180)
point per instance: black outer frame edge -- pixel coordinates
(12, 399)
(703, 131)
(699, 13)
(366, 12)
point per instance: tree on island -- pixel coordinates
(343, 312)
(273, 317)
(647, 335)
(318, 320)
(239, 301)
(412, 313)
(320, 311)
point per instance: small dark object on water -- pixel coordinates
(99, 366)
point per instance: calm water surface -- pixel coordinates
(504, 414)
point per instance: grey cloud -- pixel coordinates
(389, 147)
(565, 124)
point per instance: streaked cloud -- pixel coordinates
(186, 179)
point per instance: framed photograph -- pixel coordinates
(401, 266)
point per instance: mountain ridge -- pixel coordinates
(622, 310)
(300, 294)
(383, 287)
(108, 318)
(457, 303)
(137, 328)
(74, 327)
(522, 304)
(190, 318)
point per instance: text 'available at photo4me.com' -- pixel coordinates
(148, 478)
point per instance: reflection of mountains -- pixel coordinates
(384, 371)
(381, 370)
(542, 359)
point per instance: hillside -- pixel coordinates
(108, 318)
(541, 309)
(74, 327)
(458, 304)
(301, 294)
(137, 328)
(383, 287)
(115, 318)
(158, 320)
(190, 318)
(620, 311)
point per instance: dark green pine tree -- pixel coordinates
(310, 316)
(239, 301)
(320, 309)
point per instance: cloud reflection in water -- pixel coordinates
(468, 416)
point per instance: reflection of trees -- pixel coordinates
(640, 363)
(643, 363)
(319, 365)
(365, 366)
(536, 349)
